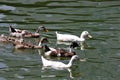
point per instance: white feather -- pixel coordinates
(58, 64)
(70, 37)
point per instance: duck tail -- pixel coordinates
(11, 29)
(47, 48)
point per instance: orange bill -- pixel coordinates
(89, 36)
(46, 30)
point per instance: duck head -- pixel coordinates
(85, 33)
(75, 57)
(43, 40)
(11, 29)
(40, 28)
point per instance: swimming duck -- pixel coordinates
(61, 52)
(22, 45)
(69, 37)
(58, 64)
(15, 32)
(36, 34)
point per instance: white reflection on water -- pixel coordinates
(2, 16)
(66, 43)
(3, 65)
(2, 78)
(5, 7)
(55, 68)
(19, 76)
(83, 44)
(43, 76)
(118, 53)
(25, 69)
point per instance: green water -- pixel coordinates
(100, 17)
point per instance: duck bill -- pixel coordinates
(82, 60)
(49, 41)
(89, 36)
(46, 30)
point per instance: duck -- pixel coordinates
(23, 45)
(57, 64)
(70, 37)
(15, 32)
(58, 52)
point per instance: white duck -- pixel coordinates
(69, 37)
(49, 63)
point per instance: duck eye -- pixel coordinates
(86, 32)
(42, 27)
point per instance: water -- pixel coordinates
(100, 17)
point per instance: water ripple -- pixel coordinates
(2, 78)
(99, 17)
(5, 7)
(2, 15)
(3, 65)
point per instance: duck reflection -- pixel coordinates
(83, 44)
(58, 69)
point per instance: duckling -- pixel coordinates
(69, 37)
(57, 64)
(28, 34)
(61, 52)
(22, 45)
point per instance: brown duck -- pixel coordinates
(61, 52)
(19, 33)
(22, 45)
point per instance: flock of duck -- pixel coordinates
(17, 36)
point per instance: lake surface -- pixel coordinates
(100, 17)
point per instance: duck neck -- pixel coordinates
(70, 62)
(47, 48)
(82, 36)
(71, 49)
(37, 31)
(40, 44)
